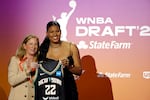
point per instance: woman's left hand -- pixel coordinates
(65, 62)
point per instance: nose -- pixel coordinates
(56, 33)
(34, 46)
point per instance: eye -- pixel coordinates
(58, 31)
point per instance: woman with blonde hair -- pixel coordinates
(21, 69)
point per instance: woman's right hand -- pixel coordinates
(31, 66)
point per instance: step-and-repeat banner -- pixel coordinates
(113, 37)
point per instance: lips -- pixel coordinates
(32, 50)
(56, 38)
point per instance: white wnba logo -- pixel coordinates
(64, 18)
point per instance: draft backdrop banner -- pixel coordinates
(113, 38)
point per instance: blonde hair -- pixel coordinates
(21, 51)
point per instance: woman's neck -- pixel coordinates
(55, 45)
(31, 57)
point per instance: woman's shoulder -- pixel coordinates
(68, 43)
(14, 58)
(71, 46)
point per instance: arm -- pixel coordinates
(16, 77)
(76, 67)
(72, 10)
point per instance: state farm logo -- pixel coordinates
(114, 74)
(82, 45)
(146, 74)
(104, 45)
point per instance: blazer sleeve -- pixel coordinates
(15, 77)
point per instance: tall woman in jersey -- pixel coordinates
(53, 48)
(20, 69)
